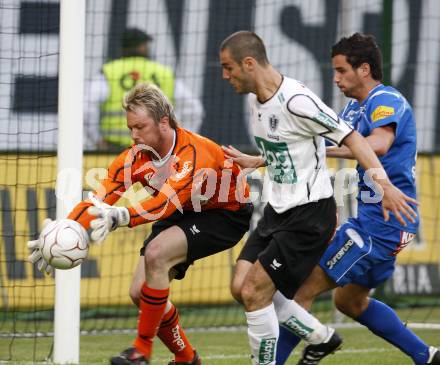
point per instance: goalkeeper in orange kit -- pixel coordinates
(198, 201)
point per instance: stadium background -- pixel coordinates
(186, 36)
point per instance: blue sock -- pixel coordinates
(384, 322)
(287, 341)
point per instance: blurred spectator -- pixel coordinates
(105, 123)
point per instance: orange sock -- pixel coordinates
(151, 307)
(172, 335)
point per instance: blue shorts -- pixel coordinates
(363, 253)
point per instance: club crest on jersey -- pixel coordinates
(187, 167)
(351, 116)
(273, 122)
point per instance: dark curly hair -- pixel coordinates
(361, 48)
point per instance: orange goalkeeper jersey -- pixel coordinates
(196, 177)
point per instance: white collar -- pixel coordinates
(162, 161)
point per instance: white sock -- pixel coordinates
(296, 319)
(263, 332)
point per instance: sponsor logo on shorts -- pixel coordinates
(194, 230)
(297, 327)
(335, 259)
(405, 239)
(266, 354)
(275, 264)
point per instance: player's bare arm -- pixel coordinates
(380, 141)
(393, 199)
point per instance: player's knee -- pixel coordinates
(253, 297)
(236, 290)
(340, 303)
(154, 257)
(303, 298)
(352, 307)
(248, 296)
(135, 295)
(135, 290)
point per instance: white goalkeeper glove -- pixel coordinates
(109, 218)
(36, 257)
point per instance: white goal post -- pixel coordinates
(69, 177)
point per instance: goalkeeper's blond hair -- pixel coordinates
(150, 98)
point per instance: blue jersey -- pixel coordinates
(386, 106)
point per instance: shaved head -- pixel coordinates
(244, 44)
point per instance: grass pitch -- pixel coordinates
(220, 348)
(215, 346)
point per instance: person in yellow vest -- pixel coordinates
(122, 74)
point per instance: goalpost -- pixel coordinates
(69, 177)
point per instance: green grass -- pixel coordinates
(360, 346)
(111, 318)
(220, 348)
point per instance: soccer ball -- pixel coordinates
(65, 244)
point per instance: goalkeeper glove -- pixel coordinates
(109, 218)
(36, 257)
